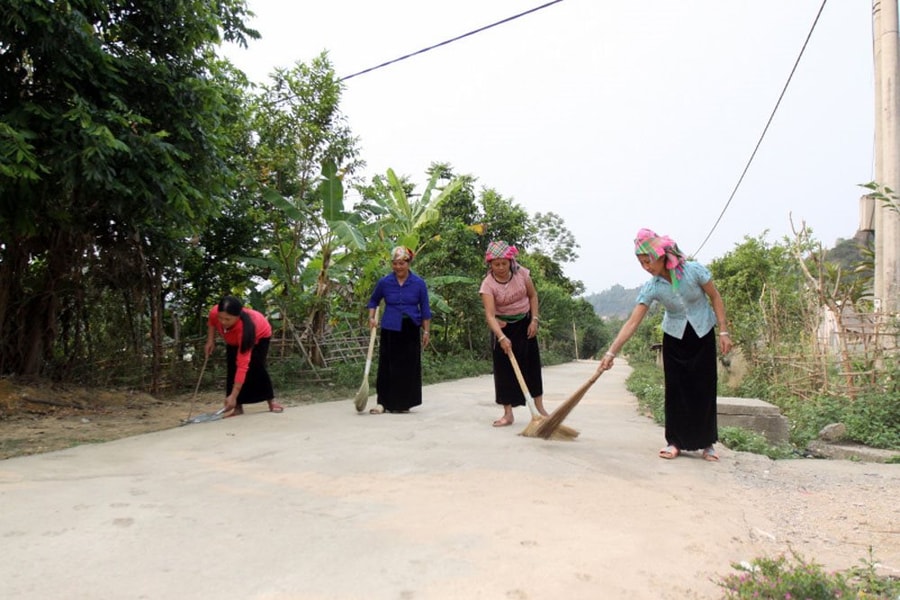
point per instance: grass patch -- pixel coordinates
(744, 440)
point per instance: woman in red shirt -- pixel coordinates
(247, 334)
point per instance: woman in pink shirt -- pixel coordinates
(247, 334)
(511, 309)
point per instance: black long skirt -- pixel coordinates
(258, 385)
(691, 383)
(399, 380)
(528, 356)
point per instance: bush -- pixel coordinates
(435, 369)
(797, 579)
(647, 383)
(447, 367)
(744, 440)
(874, 420)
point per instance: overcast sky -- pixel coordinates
(614, 114)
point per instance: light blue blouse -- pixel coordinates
(689, 304)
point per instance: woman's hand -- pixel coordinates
(230, 402)
(209, 347)
(725, 343)
(505, 344)
(532, 328)
(606, 362)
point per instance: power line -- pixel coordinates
(451, 40)
(765, 129)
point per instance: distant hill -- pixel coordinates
(616, 302)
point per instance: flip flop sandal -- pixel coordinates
(275, 407)
(377, 410)
(669, 452)
(710, 454)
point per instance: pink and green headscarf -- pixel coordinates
(649, 243)
(500, 249)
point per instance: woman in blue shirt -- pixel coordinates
(406, 310)
(693, 308)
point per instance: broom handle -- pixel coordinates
(371, 346)
(528, 399)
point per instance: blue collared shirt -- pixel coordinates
(409, 299)
(688, 305)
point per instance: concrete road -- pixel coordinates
(323, 503)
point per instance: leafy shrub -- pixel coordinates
(874, 420)
(435, 368)
(809, 416)
(797, 579)
(779, 578)
(349, 374)
(744, 440)
(647, 383)
(447, 367)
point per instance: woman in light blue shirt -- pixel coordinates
(693, 308)
(406, 311)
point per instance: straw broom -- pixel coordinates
(362, 396)
(559, 433)
(549, 425)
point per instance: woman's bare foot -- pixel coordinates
(504, 421)
(234, 412)
(275, 407)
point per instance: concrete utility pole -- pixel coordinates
(886, 49)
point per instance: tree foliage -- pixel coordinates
(142, 177)
(111, 155)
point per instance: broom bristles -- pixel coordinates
(562, 433)
(362, 397)
(553, 423)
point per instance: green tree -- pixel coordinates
(504, 220)
(299, 128)
(762, 287)
(109, 158)
(552, 238)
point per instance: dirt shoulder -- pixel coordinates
(38, 418)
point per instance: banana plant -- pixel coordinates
(341, 232)
(402, 221)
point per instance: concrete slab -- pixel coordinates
(730, 405)
(756, 415)
(847, 451)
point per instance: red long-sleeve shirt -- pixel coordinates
(235, 334)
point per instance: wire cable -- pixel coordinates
(765, 129)
(451, 40)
